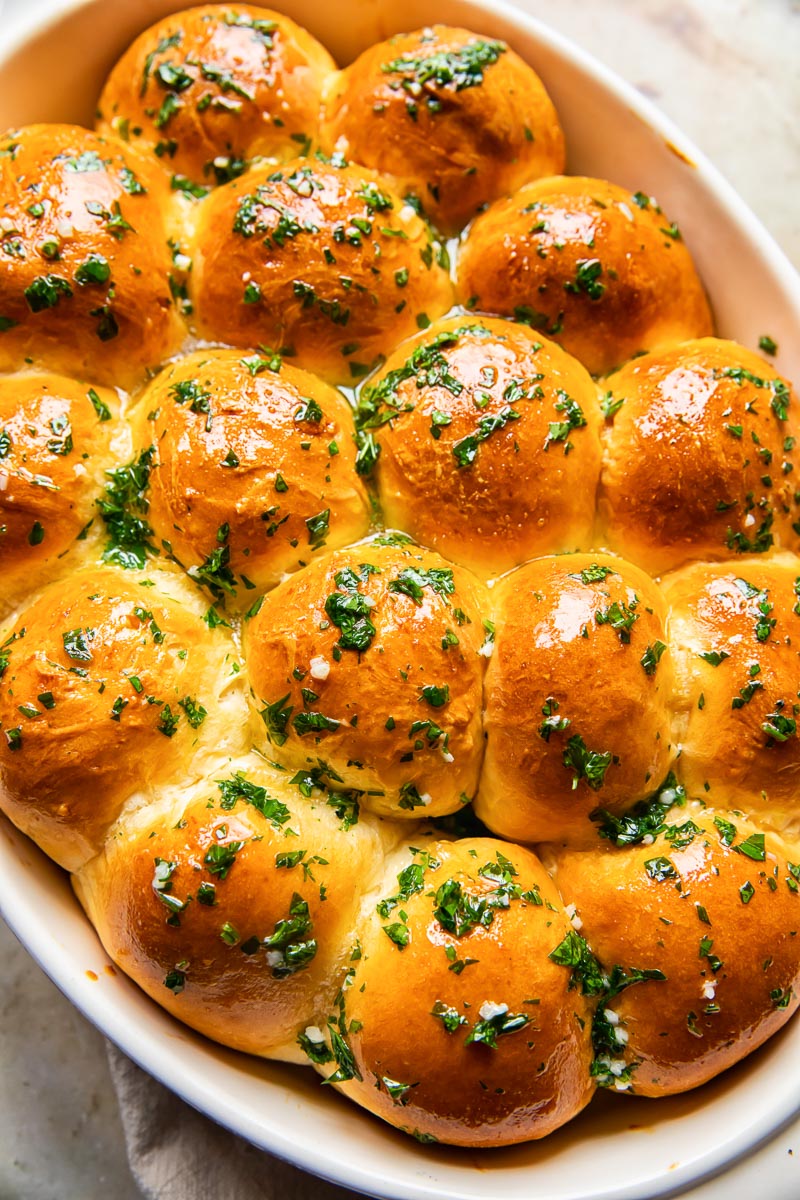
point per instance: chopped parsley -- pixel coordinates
(289, 947)
(380, 403)
(317, 527)
(590, 765)
(314, 722)
(76, 644)
(652, 657)
(660, 869)
(102, 409)
(645, 820)
(621, 617)
(559, 431)
(455, 69)
(46, 291)
(220, 857)
(124, 511)
(587, 279)
(168, 722)
(238, 787)
(349, 610)
(779, 728)
(465, 451)
(276, 718)
(450, 1018)
(195, 713)
(411, 582)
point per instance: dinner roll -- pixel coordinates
(208, 88)
(577, 696)
(319, 260)
(735, 632)
(235, 909)
(459, 1025)
(711, 906)
(367, 668)
(110, 684)
(55, 442)
(85, 276)
(604, 272)
(488, 443)
(455, 118)
(250, 456)
(698, 457)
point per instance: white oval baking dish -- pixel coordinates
(625, 1149)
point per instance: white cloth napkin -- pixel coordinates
(177, 1154)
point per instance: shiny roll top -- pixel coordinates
(263, 647)
(699, 458)
(321, 259)
(486, 439)
(367, 668)
(56, 439)
(702, 910)
(210, 88)
(245, 455)
(736, 640)
(577, 696)
(602, 270)
(453, 118)
(111, 685)
(234, 905)
(86, 263)
(494, 1048)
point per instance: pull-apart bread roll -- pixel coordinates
(735, 634)
(602, 271)
(209, 88)
(487, 444)
(265, 642)
(319, 260)
(367, 668)
(709, 907)
(454, 118)
(55, 443)
(110, 684)
(460, 953)
(235, 906)
(251, 469)
(578, 692)
(85, 269)
(699, 456)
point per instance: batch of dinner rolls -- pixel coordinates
(400, 583)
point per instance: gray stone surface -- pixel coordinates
(60, 1132)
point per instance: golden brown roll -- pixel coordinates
(454, 118)
(367, 669)
(267, 739)
(712, 906)
(603, 272)
(251, 456)
(698, 457)
(488, 443)
(236, 909)
(208, 88)
(110, 684)
(322, 261)
(577, 697)
(735, 630)
(55, 442)
(457, 1025)
(85, 273)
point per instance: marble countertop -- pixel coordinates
(726, 71)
